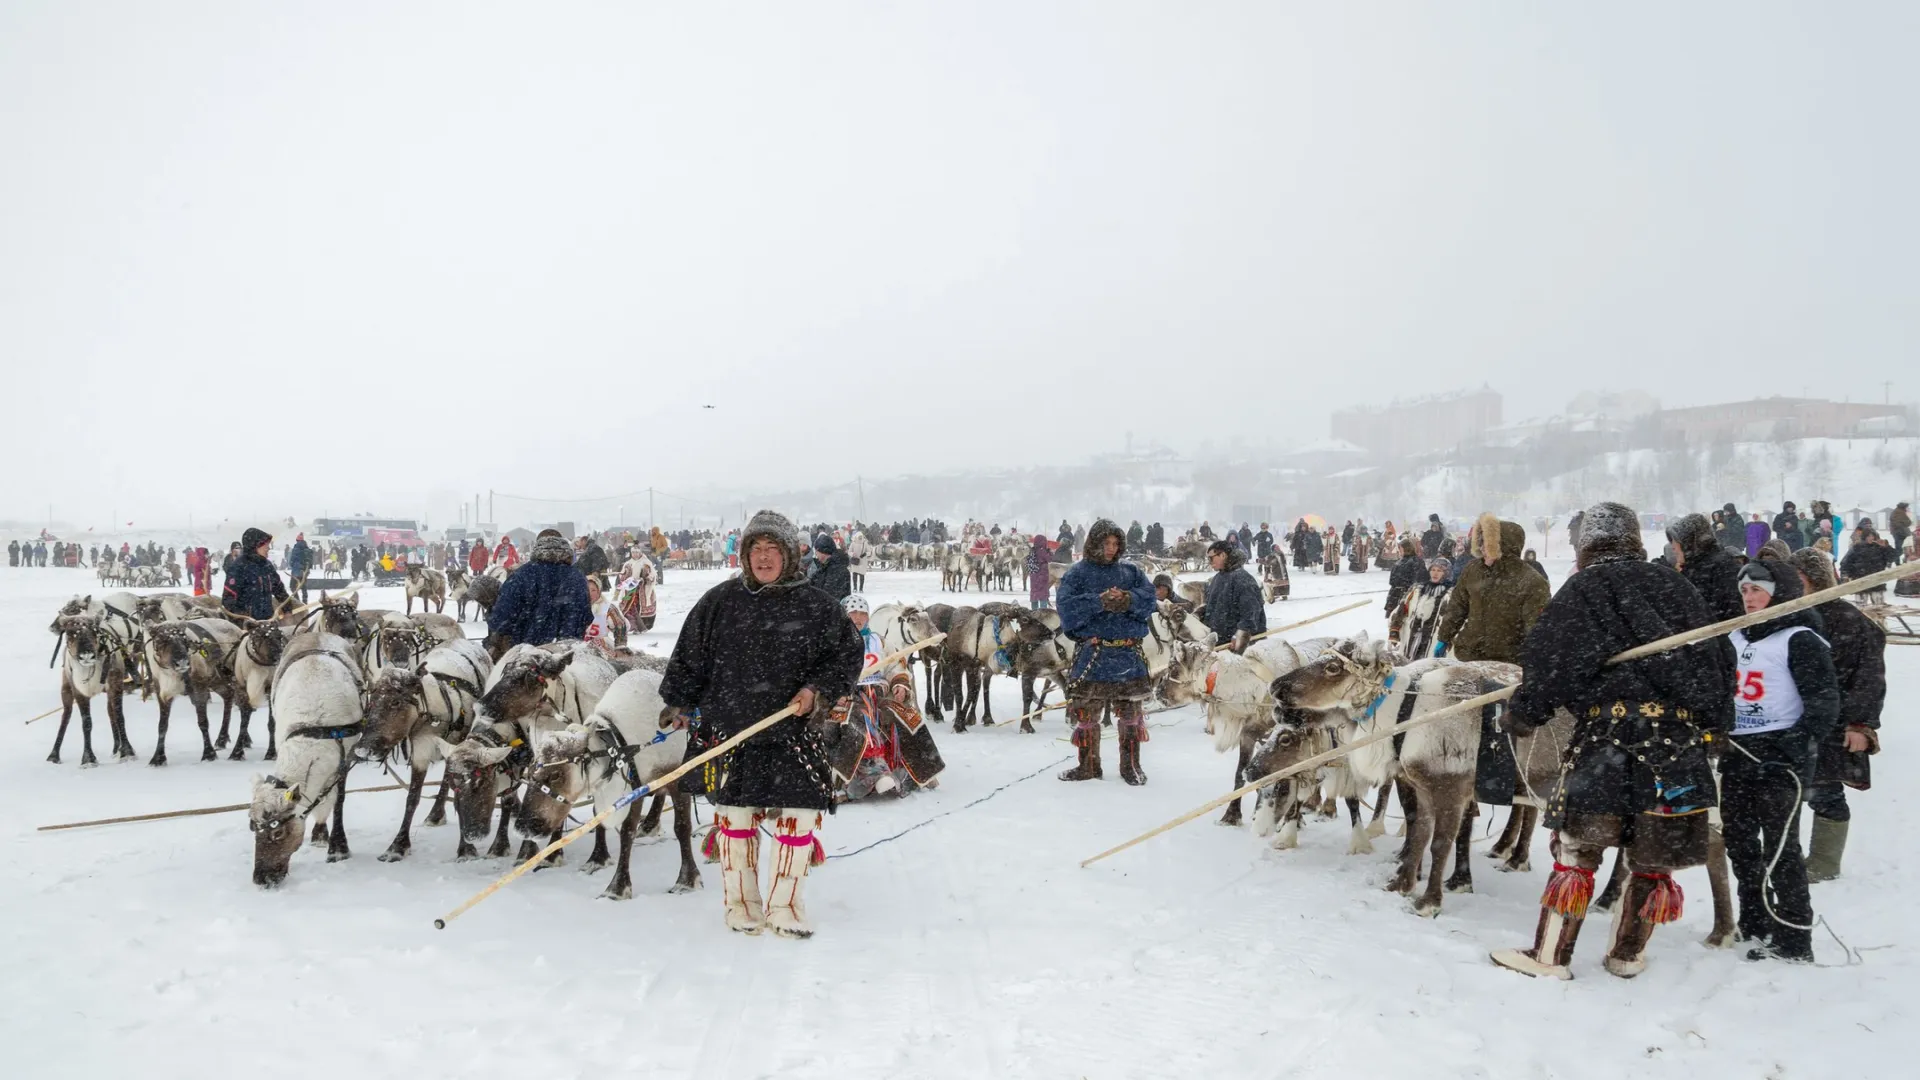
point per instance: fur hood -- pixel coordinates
(1235, 557)
(552, 549)
(773, 526)
(1815, 565)
(1096, 536)
(252, 539)
(1609, 532)
(1501, 539)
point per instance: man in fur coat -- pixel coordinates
(1636, 774)
(1859, 649)
(1105, 605)
(1496, 599)
(754, 643)
(1233, 609)
(1707, 566)
(546, 601)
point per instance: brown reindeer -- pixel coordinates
(193, 659)
(410, 713)
(429, 585)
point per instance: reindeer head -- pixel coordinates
(83, 637)
(522, 683)
(76, 606)
(340, 615)
(173, 647)
(1346, 677)
(393, 710)
(555, 782)
(265, 641)
(476, 773)
(150, 610)
(916, 624)
(278, 818)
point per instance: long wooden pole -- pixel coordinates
(1663, 645)
(657, 785)
(193, 813)
(1297, 625)
(44, 715)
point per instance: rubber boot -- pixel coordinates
(1087, 738)
(1829, 844)
(738, 829)
(796, 848)
(1552, 950)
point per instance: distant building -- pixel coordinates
(1776, 418)
(1420, 425)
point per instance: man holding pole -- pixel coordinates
(1105, 605)
(754, 643)
(1636, 774)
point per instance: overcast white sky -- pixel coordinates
(375, 256)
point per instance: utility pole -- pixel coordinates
(649, 508)
(860, 484)
(490, 505)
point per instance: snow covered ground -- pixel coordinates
(973, 947)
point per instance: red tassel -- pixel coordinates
(819, 853)
(710, 847)
(1569, 891)
(1666, 901)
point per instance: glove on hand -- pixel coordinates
(1116, 601)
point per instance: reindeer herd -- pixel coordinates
(528, 738)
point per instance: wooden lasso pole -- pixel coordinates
(646, 789)
(1665, 644)
(44, 715)
(192, 813)
(1296, 625)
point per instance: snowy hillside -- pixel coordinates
(1864, 474)
(974, 946)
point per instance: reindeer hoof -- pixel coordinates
(391, 855)
(209, 754)
(1722, 939)
(1427, 909)
(1397, 886)
(239, 754)
(157, 760)
(467, 856)
(435, 819)
(1376, 829)
(271, 755)
(89, 762)
(54, 758)
(1524, 866)
(339, 856)
(686, 886)
(622, 893)
(1460, 886)
(221, 742)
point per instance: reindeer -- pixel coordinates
(93, 666)
(1240, 701)
(317, 689)
(402, 640)
(975, 648)
(953, 571)
(531, 692)
(429, 585)
(620, 747)
(192, 658)
(414, 714)
(262, 644)
(1357, 689)
(900, 626)
(481, 592)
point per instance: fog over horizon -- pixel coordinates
(274, 259)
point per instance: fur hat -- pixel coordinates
(769, 525)
(1775, 548)
(823, 544)
(1440, 561)
(1609, 532)
(1097, 534)
(1816, 566)
(551, 549)
(1693, 534)
(1163, 579)
(544, 533)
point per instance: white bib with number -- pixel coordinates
(875, 650)
(1765, 697)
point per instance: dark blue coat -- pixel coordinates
(299, 559)
(542, 602)
(1084, 620)
(252, 588)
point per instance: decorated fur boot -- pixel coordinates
(1086, 737)
(1649, 900)
(796, 848)
(1562, 909)
(1130, 770)
(739, 845)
